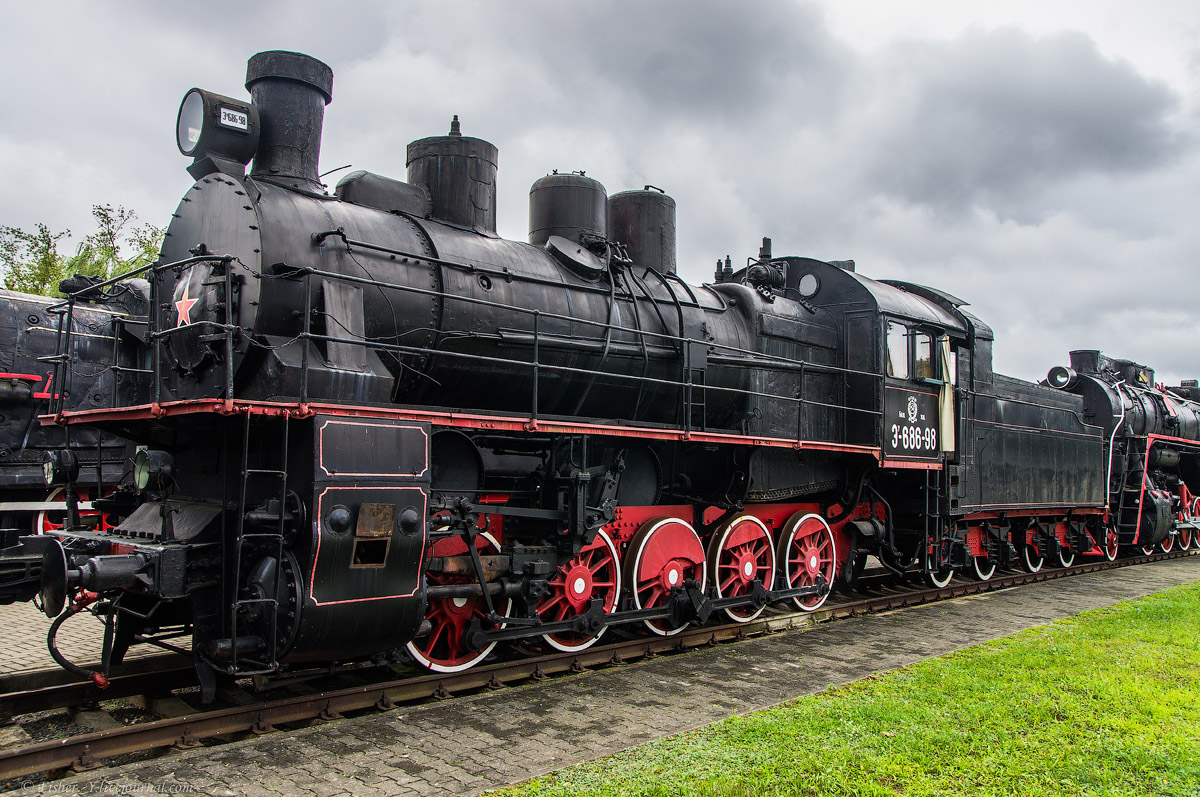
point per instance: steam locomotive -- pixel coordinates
(31, 330)
(368, 428)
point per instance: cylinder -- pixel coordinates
(573, 206)
(459, 172)
(290, 91)
(644, 222)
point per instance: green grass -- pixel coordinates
(1105, 703)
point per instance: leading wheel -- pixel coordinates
(445, 649)
(806, 549)
(663, 556)
(1167, 545)
(592, 575)
(741, 552)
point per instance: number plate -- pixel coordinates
(231, 117)
(911, 423)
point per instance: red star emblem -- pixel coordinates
(184, 306)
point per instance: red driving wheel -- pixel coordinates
(663, 555)
(740, 552)
(51, 520)
(594, 574)
(1187, 534)
(807, 551)
(444, 649)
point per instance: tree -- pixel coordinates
(31, 262)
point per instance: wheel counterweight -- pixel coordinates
(663, 556)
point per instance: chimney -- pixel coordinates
(290, 91)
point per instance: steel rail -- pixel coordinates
(86, 751)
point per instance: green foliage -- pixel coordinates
(32, 263)
(1106, 703)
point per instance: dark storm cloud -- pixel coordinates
(994, 118)
(703, 59)
(1041, 180)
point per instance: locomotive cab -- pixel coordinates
(900, 358)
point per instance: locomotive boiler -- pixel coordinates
(369, 428)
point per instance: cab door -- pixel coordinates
(913, 393)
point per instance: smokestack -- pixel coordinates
(290, 91)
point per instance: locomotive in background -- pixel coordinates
(370, 428)
(31, 331)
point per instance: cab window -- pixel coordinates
(897, 350)
(923, 356)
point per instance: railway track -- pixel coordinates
(322, 702)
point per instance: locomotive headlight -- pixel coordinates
(151, 468)
(210, 125)
(59, 467)
(1062, 377)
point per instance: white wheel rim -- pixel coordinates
(1027, 553)
(931, 574)
(985, 572)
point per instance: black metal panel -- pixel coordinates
(362, 579)
(1030, 448)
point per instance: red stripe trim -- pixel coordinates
(1156, 437)
(453, 419)
(25, 377)
(899, 389)
(911, 465)
(1026, 506)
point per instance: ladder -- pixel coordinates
(259, 541)
(1129, 505)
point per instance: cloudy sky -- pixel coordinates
(1039, 159)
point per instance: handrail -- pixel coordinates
(718, 353)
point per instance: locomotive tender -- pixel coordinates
(367, 427)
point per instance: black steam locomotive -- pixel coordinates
(30, 327)
(367, 427)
